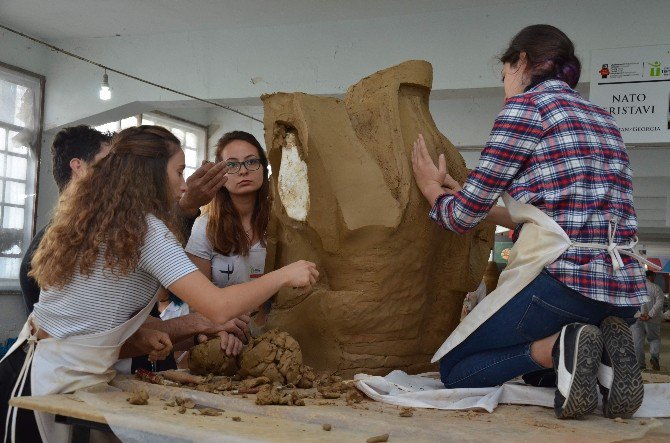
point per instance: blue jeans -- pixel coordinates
(499, 349)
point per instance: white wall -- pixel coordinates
(324, 58)
(223, 121)
(237, 66)
(18, 51)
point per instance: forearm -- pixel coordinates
(238, 300)
(222, 304)
(180, 328)
(185, 345)
(500, 216)
(130, 350)
(432, 193)
(189, 209)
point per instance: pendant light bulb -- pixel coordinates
(105, 90)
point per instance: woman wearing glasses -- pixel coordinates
(227, 242)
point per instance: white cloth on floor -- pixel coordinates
(427, 391)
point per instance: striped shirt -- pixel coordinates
(552, 149)
(103, 301)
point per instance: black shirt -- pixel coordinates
(29, 287)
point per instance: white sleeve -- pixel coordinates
(162, 256)
(198, 244)
(657, 297)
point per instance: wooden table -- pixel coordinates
(349, 423)
(68, 410)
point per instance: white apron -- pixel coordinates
(540, 242)
(65, 365)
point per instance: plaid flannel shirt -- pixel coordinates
(553, 149)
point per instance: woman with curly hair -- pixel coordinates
(227, 242)
(112, 243)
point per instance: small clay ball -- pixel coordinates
(209, 358)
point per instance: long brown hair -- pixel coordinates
(224, 228)
(106, 209)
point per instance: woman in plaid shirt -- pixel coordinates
(554, 150)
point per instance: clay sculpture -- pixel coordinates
(392, 281)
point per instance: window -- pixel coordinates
(193, 137)
(121, 124)
(20, 137)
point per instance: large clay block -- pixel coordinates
(392, 281)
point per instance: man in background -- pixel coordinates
(649, 325)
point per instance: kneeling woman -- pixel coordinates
(571, 285)
(111, 245)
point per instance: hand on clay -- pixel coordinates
(644, 317)
(230, 344)
(239, 327)
(201, 338)
(300, 275)
(429, 178)
(450, 186)
(202, 186)
(155, 343)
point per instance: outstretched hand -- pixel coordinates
(429, 178)
(202, 186)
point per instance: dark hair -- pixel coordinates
(82, 142)
(224, 228)
(650, 273)
(550, 54)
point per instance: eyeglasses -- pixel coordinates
(250, 164)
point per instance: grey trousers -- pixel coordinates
(652, 332)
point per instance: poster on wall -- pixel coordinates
(633, 84)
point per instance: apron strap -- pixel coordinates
(615, 250)
(19, 385)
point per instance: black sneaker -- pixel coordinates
(544, 378)
(576, 356)
(619, 374)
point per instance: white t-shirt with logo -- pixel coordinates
(226, 269)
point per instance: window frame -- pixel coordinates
(36, 148)
(185, 122)
(177, 120)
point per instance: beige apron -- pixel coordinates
(540, 242)
(65, 365)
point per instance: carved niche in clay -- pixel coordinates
(392, 281)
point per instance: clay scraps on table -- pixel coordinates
(271, 395)
(140, 397)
